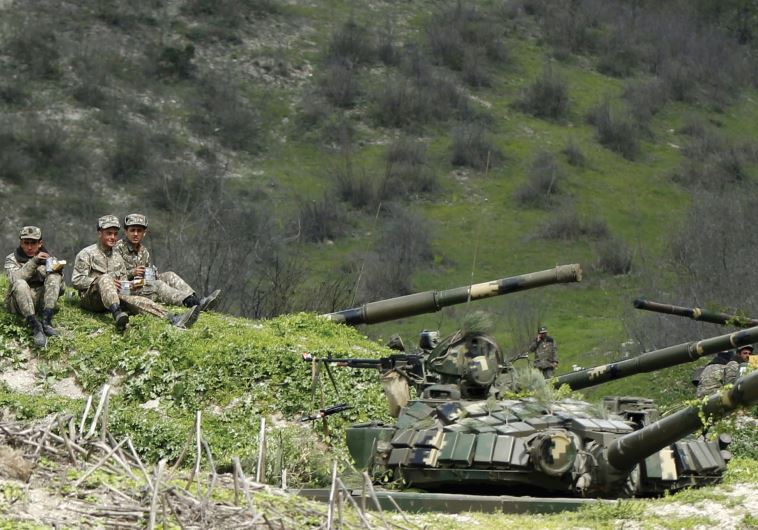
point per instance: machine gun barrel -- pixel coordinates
(628, 450)
(696, 313)
(657, 359)
(432, 301)
(383, 363)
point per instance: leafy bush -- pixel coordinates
(13, 94)
(616, 130)
(356, 188)
(547, 97)
(473, 147)
(131, 158)
(544, 178)
(644, 99)
(614, 256)
(566, 224)
(619, 55)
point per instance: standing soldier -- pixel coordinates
(546, 353)
(99, 275)
(166, 287)
(723, 369)
(33, 284)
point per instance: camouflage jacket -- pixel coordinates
(94, 261)
(714, 376)
(132, 258)
(18, 266)
(546, 353)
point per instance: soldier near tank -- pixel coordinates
(100, 276)
(545, 352)
(166, 287)
(723, 369)
(35, 286)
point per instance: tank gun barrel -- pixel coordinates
(696, 313)
(657, 359)
(432, 301)
(626, 451)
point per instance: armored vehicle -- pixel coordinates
(469, 430)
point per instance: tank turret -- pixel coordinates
(432, 301)
(696, 313)
(657, 359)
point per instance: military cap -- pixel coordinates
(135, 219)
(542, 329)
(745, 347)
(30, 232)
(108, 221)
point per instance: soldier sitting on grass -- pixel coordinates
(33, 285)
(166, 287)
(100, 277)
(724, 369)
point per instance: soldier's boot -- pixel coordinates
(187, 319)
(47, 323)
(191, 301)
(209, 302)
(40, 340)
(120, 316)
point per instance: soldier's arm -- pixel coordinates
(16, 271)
(80, 277)
(533, 346)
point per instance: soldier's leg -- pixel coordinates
(53, 289)
(21, 299)
(163, 292)
(140, 304)
(174, 281)
(103, 295)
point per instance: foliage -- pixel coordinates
(547, 97)
(615, 130)
(473, 147)
(544, 182)
(614, 256)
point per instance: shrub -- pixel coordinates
(355, 188)
(616, 130)
(322, 219)
(175, 62)
(398, 103)
(473, 147)
(339, 84)
(351, 44)
(223, 112)
(547, 97)
(644, 99)
(619, 56)
(36, 47)
(566, 224)
(613, 256)
(132, 155)
(574, 154)
(13, 94)
(407, 172)
(90, 95)
(543, 181)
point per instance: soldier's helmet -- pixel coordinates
(135, 219)
(30, 232)
(748, 347)
(542, 329)
(108, 221)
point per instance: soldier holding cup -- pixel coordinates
(166, 287)
(36, 283)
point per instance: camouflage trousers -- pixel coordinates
(714, 376)
(27, 300)
(102, 294)
(169, 288)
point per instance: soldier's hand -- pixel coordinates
(139, 272)
(117, 283)
(42, 256)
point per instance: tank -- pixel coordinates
(453, 439)
(696, 313)
(469, 431)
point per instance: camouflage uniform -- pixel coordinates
(31, 288)
(168, 287)
(95, 270)
(714, 376)
(545, 355)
